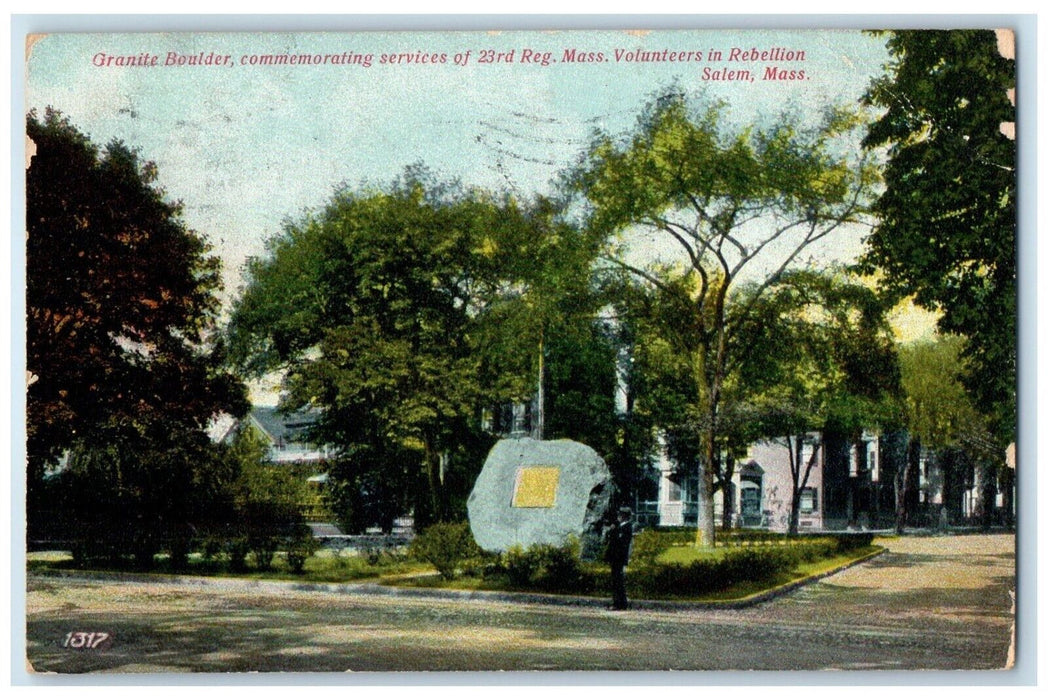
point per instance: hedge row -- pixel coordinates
(558, 569)
(672, 536)
(728, 567)
(219, 550)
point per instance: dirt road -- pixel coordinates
(929, 603)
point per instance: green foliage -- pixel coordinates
(446, 546)
(264, 492)
(938, 409)
(947, 217)
(211, 549)
(380, 553)
(729, 566)
(685, 177)
(401, 313)
(648, 546)
(238, 548)
(940, 414)
(263, 548)
(734, 566)
(580, 385)
(518, 565)
(300, 547)
(267, 499)
(120, 297)
(546, 567)
(835, 367)
(153, 489)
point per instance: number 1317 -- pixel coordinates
(85, 640)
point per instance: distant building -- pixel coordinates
(853, 484)
(850, 485)
(285, 435)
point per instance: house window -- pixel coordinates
(751, 503)
(809, 500)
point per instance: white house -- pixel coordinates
(284, 434)
(848, 492)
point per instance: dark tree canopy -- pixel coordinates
(120, 299)
(402, 313)
(947, 215)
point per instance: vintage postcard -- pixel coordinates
(635, 349)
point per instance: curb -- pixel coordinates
(377, 589)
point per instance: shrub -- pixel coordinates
(547, 567)
(264, 548)
(445, 546)
(300, 547)
(848, 541)
(211, 549)
(178, 548)
(519, 565)
(727, 568)
(381, 551)
(648, 546)
(237, 548)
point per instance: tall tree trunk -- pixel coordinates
(706, 522)
(795, 513)
(986, 485)
(727, 489)
(539, 430)
(902, 485)
(433, 476)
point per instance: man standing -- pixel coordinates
(619, 538)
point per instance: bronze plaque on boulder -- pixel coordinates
(536, 487)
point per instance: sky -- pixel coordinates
(247, 146)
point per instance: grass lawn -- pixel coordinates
(746, 589)
(328, 566)
(680, 555)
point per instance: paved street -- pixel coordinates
(929, 603)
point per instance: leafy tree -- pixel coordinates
(835, 370)
(148, 488)
(402, 312)
(722, 197)
(267, 498)
(941, 416)
(120, 299)
(947, 219)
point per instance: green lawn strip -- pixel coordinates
(740, 591)
(807, 570)
(329, 568)
(326, 567)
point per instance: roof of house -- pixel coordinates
(284, 427)
(751, 469)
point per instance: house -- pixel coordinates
(952, 487)
(285, 435)
(852, 485)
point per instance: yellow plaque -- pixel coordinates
(536, 487)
